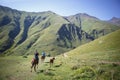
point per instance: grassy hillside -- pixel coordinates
(41, 36)
(108, 42)
(21, 33)
(101, 56)
(97, 60)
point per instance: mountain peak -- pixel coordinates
(115, 20)
(50, 12)
(86, 15)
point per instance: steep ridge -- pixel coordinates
(71, 36)
(9, 26)
(92, 25)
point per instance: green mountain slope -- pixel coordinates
(92, 25)
(24, 32)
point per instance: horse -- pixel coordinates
(34, 63)
(42, 58)
(52, 61)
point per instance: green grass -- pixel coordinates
(15, 68)
(91, 66)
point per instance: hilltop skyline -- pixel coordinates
(102, 9)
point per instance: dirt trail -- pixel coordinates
(109, 62)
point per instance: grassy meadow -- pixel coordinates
(92, 66)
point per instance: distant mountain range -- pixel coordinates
(24, 32)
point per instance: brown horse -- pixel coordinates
(52, 61)
(34, 63)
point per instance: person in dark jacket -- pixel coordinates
(35, 61)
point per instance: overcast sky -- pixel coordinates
(102, 9)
